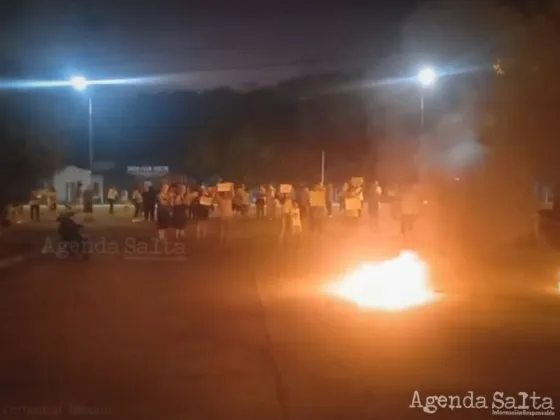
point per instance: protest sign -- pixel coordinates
(353, 204)
(357, 181)
(206, 201)
(285, 188)
(317, 199)
(225, 186)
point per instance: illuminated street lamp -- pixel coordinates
(426, 77)
(80, 83)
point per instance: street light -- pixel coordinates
(80, 83)
(426, 77)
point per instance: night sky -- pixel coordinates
(202, 44)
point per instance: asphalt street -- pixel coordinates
(241, 331)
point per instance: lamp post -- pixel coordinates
(80, 83)
(426, 77)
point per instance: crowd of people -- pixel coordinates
(173, 205)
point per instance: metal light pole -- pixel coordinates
(426, 77)
(422, 110)
(80, 83)
(90, 132)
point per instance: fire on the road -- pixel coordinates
(392, 285)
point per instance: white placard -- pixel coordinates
(225, 186)
(317, 198)
(353, 204)
(285, 188)
(206, 201)
(357, 181)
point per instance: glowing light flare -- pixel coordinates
(396, 284)
(427, 76)
(79, 82)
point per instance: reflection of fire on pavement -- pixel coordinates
(395, 284)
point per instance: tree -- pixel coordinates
(277, 134)
(29, 152)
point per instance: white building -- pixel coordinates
(66, 181)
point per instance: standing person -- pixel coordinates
(343, 196)
(245, 201)
(296, 218)
(237, 202)
(260, 202)
(410, 209)
(164, 205)
(149, 203)
(137, 202)
(271, 203)
(373, 199)
(225, 209)
(112, 195)
(180, 211)
(34, 205)
(201, 206)
(286, 203)
(317, 209)
(79, 193)
(52, 200)
(359, 193)
(88, 203)
(192, 194)
(303, 201)
(329, 199)
(352, 194)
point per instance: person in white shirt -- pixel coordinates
(296, 219)
(137, 202)
(260, 202)
(410, 208)
(287, 203)
(111, 198)
(246, 202)
(224, 200)
(373, 200)
(164, 206)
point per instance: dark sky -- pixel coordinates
(202, 43)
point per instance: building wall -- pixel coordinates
(65, 182)
(98, 187)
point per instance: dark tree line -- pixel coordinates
(267, 134)
(29, 147)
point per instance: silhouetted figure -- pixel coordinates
(149, 203)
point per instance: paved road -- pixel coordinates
(240, 332)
